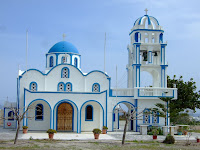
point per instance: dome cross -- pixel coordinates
(64, 35)
(146, 10)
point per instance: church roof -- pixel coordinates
(142, 19)
(63, 47)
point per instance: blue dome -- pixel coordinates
(63, 47)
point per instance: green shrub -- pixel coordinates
(25, 127)
(51, 131)
(96, 131)
(104, 127)
(169, 139)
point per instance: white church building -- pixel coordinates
(71, 100)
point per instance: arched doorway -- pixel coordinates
(65, 117)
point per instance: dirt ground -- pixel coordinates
(95, 145)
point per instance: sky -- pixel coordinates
(85, 23)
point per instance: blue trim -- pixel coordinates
(106, 108)
(64, 87)
(46, 61)
(144, 115)
(49, 107)
(18, 90)
(136, 21)
(156, 116)
(76, 62)
(66, 92)
(146, 30)
(113, 116)
(93, 87)
(87, 112)
(70, 59)
(72, 115)
(118, 120)
(51, 62)
(149, 21)
(57, 58)
(155, 19)
(31, 84)
(161, 38)
(64, 65)
(24, 106)
(67, 70)
(82, 107)
(56, 106)
(36, 113)
(114, 109)
(136, 107)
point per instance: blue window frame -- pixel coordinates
(96, 87)
(51, 62)
(89, 113)
(75, 62)
(61, 87)
(68, 87)
(33, 86)
(146, 116)
(39, 112)
(65, 72)
(10, 115)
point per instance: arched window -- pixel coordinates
(61, 86)
(146, 116)
(68, 87)
(155, 117)
(64, 60)
(65, 73)
(75, 62)
(161, 38)
(39, 112)
(51, 62)
(33, 86)
(11, 115)
(137, 37)
(89, 113)
(96, 87)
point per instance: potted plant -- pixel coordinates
(197, 139)
(179, 130)
(104, 130)
(155, 133)
(25, 129)
(96, 132)
(51, 133)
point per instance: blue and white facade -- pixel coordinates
(89, 96)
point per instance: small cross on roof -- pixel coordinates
(64, 35)
(146, 10)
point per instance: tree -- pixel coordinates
(133, 115)
(188, 97)
(19, 115)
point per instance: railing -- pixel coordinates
(123, 92)
(145, 92)
(156, 92)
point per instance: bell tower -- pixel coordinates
(146, 52)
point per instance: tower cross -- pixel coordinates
(146, 10)
(64, 35)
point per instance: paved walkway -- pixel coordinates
(9, 134)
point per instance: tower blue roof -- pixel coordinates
(64, 47)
